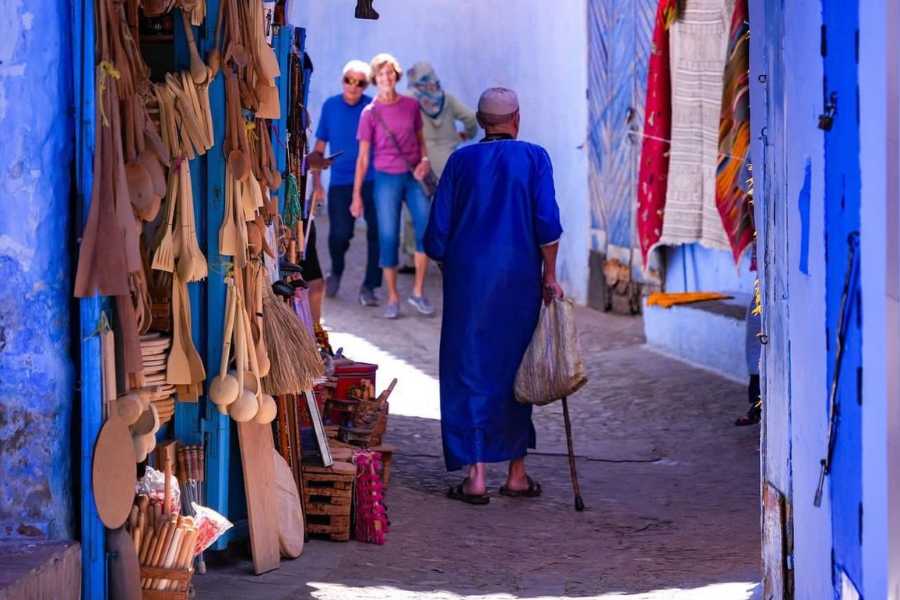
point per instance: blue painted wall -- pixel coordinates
(620, 34)
(36, 388)
(842, 216)
(692, 268)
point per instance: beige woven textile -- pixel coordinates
(698, 43)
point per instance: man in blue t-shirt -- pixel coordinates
(337, 131)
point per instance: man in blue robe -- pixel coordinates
(495, 231)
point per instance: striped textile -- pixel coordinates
(697, 43)
(733, 176)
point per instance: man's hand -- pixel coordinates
(356, 206)
(421, 169)
(318, 194)
(317, 161)
(552, 289)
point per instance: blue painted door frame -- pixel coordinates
(842, 216)
(92, 533)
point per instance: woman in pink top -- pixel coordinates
(391, 128)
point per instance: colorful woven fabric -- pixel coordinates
(654, 168)
(668, 300)
(733, 176)
(371, 515)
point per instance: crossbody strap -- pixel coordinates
(391, 135)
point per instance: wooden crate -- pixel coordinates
(328, 498)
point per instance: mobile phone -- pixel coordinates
(334, 156)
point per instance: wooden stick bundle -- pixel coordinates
(162, 542)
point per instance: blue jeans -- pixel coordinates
(390, 192)
(340, 231)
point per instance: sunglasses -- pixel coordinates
(360, 83)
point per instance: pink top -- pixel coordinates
(404, 120)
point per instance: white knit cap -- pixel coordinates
(498, 102)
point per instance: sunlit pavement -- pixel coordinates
(670, 484)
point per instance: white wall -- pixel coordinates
(537, 47)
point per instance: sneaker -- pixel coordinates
(392, 311)
(332, 285)
(367, 297)
(422, 305)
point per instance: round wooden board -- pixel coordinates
(290, 511)
(113, 472)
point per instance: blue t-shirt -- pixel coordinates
(337, 127)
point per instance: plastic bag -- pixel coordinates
(552, 367)
(153, 484)
(211, 525)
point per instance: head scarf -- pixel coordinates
(426, 87)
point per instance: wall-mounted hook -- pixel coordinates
(826, 119)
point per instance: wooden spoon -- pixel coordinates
(199, 71)
(237, 159)
(228, 231)
(224, 389)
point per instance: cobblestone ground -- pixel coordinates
(671, 486)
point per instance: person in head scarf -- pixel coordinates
(494, 229)
(441, 112)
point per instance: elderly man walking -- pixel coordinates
(495, 230)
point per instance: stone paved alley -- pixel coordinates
(672, 488)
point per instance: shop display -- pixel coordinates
(144, 246)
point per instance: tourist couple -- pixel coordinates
(494, 229)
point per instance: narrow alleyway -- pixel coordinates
(671, 486)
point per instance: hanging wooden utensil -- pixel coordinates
(112, 473)
(228, 231)
(224, 389)
(199, 71)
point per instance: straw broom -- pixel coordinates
(294, 357)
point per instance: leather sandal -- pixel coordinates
(457, 492)
(532, 491)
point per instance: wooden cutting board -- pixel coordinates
(113, 470)
(290, 510)
(257, 448)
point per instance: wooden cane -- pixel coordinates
(579, 503)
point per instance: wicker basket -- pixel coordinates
(181, 583)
